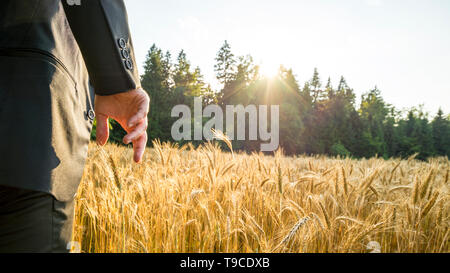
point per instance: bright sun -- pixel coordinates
(268, 71)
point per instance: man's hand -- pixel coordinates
(130, 109)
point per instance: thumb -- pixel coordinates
(102, 129)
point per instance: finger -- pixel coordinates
(140, 115)
(136, 132)
(102, 130)
(139, 146)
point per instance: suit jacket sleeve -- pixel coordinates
(102, 33)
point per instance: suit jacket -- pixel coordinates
(54, 56)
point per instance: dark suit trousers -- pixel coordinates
(34, 222)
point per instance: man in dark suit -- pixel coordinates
(58, 58)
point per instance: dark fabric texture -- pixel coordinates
(45, 133)
(34, 222)
(98, 26)
(51, 66)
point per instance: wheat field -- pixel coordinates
(190, 200)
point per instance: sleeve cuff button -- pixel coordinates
(125, 54)
(122, 43)
(129, 64)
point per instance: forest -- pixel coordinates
(316, 118)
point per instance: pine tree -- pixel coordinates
(391, 133)
(425, 138)
(342, 85)
(329, 91)
(289, 79)
(225, 64)
(157, 80)
(183, 74)
(373, 112)
(315, 84)
(188, 83)
(441, 134)
(306, 95)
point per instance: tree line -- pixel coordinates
(315, 117)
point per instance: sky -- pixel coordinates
(401, 46)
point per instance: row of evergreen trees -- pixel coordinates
(314, 118)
